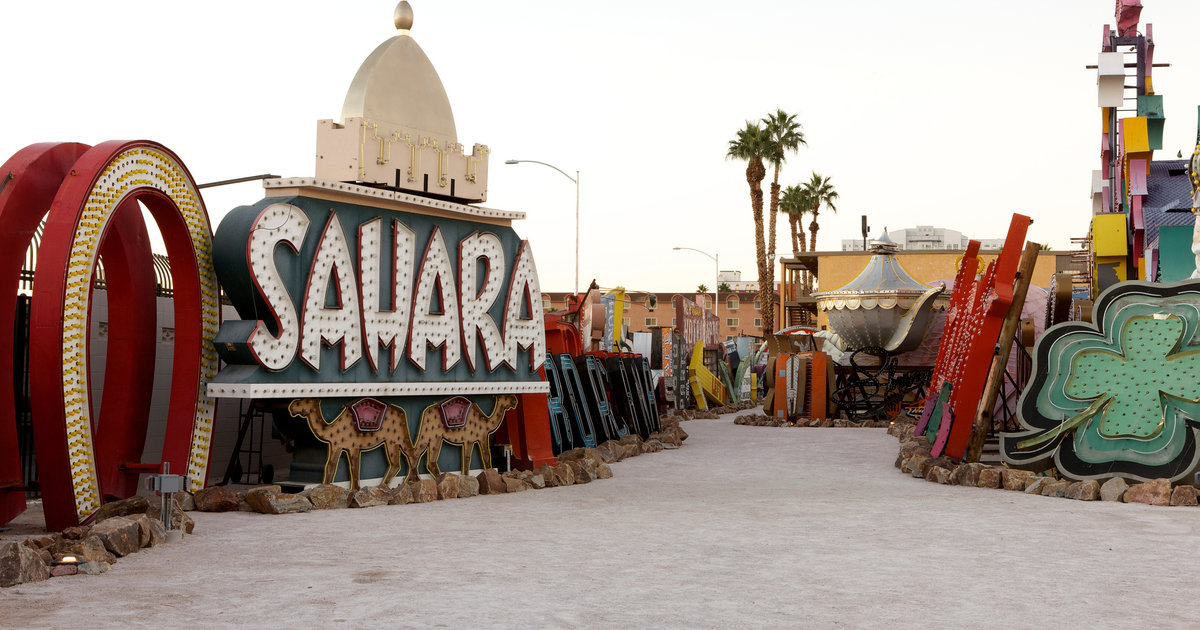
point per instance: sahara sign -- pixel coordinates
(342, 299)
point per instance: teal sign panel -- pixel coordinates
(1120, 397)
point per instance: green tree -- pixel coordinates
(702, 288)
(724, 288)
(786, 136)
(753, 144)
(795, 204)
(820, 192)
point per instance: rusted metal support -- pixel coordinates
(991, 388)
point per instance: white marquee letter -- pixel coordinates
(477, 301)
(277, 223)
(429, 328)
(342, 323)
(518, 332)
(386, 328)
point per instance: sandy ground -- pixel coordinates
(743, 527)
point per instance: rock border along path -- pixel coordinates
(802, 527)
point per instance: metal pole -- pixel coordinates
(576, 232)
(576, 182)
(717, 296)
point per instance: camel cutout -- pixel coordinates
(477, 431)
(342, 437)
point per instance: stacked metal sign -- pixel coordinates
(974, 348)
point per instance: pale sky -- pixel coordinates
(946, 113)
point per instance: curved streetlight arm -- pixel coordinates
(710, 256)
(574, 180)
(544, 164)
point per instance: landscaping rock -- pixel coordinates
(1084, 490)
(90, 549)
(274, 489)
(914, 447)
(654, 446)
(581, 472)
(966, 475)
(424, 490)
(515, 484)
(328, 497)
(151, 531)
(1114, 489)
(468, 486)
(539, 481)
(143, 523)
(610, 451)
(1037, 485)
(281, 503)
(63, 570)
(914, 463)
(447, 486)
(931, 473)
(186, 501)
(490, 482)
(120, 535)
(1056, 488)
(20, 564)
(216, 499)
(1183, 495)
(1155, 492)
(1013, 479)
(564, 475)
(367, 497)
(943, 476)
(989, 477)
(124, 507)
(603, 471)
(401, 495)
(943, 461)
(76, 533)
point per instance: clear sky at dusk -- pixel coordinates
(945, 113)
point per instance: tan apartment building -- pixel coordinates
(739, 310)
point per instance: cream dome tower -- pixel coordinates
(397, 128)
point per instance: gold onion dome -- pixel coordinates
(398, 84)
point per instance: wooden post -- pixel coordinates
(991, 388)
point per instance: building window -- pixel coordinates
(731, 322)
(758, 322)
(733, 304)
(651, 302)
(625, 321)
(672, 322)
(547, 303)
(757, 306)
(651, 321)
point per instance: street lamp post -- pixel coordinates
(716, 297)
(575, 180)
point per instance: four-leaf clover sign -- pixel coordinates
(1120, 397)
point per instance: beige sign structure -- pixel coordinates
(397, 82)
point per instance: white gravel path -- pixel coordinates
(742, 527)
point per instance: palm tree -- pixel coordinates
(753, 144)
(786, 136)
(820, 191)
(795, 204)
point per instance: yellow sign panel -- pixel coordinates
(1109, 235)
(1135, 134)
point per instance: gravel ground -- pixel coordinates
(742, 527)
